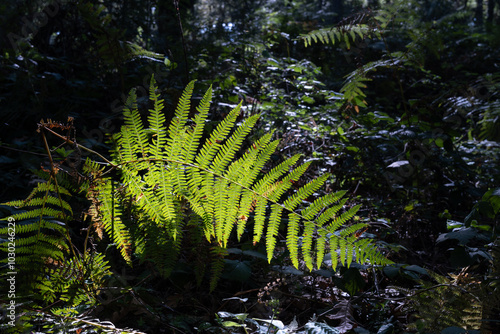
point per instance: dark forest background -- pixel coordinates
(405, 115)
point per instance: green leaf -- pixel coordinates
(463, 235)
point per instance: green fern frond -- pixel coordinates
(40, 202)
(274, 174)
(36, 224)
(40, 230)
(307, 244)
(156, 121)
(134, 51)
(45, 261)
(281, 186)
(233, 144)
(353, 89)
(105, 210)
(196, 134)
(321, 246)
(177, 126)
(260, 219)
(349, 230)
(66, 277)
(304, 192)
(164, 177)
(292, 238)
(135, 127)
(348, 34)
(212, 146)
(40, 212)
(253, 160)
(321, 203)
(272, 230)
(343, 218)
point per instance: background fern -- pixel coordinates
(49, 269)
(40, 230)
(166, 173)
(457, 298)
(348, 34)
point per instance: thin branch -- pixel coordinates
(176, 4)
(69, 141)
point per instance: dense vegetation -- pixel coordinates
(250, 166)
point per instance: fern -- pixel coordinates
(105, 210)
(39, 231)
(167, 171)
(347, 34)
(44, 261)
(356, 81)
(456, 297)
(65, 283)
(48, 268)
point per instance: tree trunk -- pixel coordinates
(338, 9)
(479, 12)
(491, 10)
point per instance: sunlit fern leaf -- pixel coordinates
(331, 213)
(350, 230)
(342, 247)
(105, 210)
(347, 34)
(260, 219)
(47, 187)
(195, 135)
(341, 219)
(262, 185)
(287, 182)
(321, 244)
(39, 226)
(349, 254)
(177, 126)
(166, 180)
(293, 201)
(233, 206)
(66, 277)
(135, 127)
(212, 145)
(334, 245)
(321, 203)
(42, 201)
(307, 244)
(272, 230)
(233, 144)
(134, 51)
(156, 121)
(220, 206)
(292, 238)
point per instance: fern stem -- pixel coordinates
(69, 141)
(176, 4)
(53, 176)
